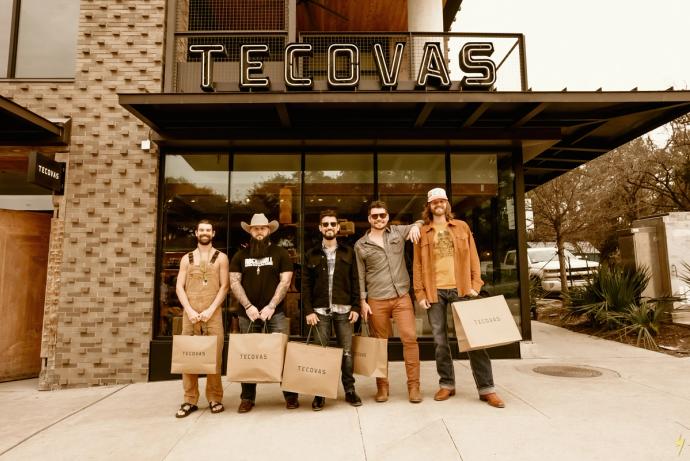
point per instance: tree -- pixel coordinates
(558, 209)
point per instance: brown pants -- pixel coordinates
(214, 387)
(402, 310)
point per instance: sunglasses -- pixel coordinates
(329, 224)
(379, 215)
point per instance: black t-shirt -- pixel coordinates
(261, 276)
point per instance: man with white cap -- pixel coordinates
(446, 269)
(259, 278)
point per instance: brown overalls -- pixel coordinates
(200, 297)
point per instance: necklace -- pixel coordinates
(203, 266)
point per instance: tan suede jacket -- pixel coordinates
(467, 269)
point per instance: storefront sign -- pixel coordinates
(46, 173)
(474, 60)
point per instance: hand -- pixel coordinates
(193, 317)
(253, 313)
(312, 319)
(414, 234)
(425, 304)
(366, 310)
(473, 293)
(205, 315)
(353, 316)
(267, 312)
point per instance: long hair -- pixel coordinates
(428, 215)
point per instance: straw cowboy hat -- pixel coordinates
(260, 219)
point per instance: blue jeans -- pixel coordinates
(480, 363)
(278, 324)
(343, 335)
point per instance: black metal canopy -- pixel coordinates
(21, 127)
(557, 131)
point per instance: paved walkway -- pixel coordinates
(637, 409)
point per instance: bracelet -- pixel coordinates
(249, 307)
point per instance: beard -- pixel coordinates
(439, 211)
(258, 248)
(204, 240)
(329, 236)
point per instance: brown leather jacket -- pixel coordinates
(467, 269)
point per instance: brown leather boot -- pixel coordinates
(415, 394)
(381, 390)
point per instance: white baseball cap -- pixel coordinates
(435, 194)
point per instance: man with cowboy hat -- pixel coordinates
(260, 276)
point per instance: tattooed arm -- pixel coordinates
(281, 291)
(241, 296)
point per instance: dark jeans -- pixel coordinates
(479, 359)
(278, 324)
(343, 335)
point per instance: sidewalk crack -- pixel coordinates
(79, 410)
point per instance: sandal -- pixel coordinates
(185, 410)
(216, 407)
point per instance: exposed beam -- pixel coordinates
(532, 111)
(475, 115)
(283, 114)
(424, 114)
(546, 169)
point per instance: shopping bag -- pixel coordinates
(311, 369)
(256, 357)
(484, 322)
(370, 355)
(194, 354)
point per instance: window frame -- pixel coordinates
(12, 55)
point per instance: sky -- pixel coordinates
(587, 44)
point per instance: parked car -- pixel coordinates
(544, 267)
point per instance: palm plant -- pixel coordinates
(611, 290)
(641, 320)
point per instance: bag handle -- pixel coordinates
(201, 329)
(264, 329)
(364, 325)
(311, 327)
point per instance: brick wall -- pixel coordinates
(97, 328)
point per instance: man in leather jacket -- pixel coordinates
(331, 298)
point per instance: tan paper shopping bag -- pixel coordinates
(256, 357)
(194, 354)
(370, 355)
(312, 370)
(484, 322)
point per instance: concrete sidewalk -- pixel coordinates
(637, 409)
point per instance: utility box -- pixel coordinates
(661, 244)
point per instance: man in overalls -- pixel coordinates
(202, 285)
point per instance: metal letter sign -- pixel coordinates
(389, 75)
(433, 65)
(470, 64)
(292, 80)
(249, 67)
(351, 53)
(207, 52)
(46, 173)
(344, 66)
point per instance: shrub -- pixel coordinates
(611, 290)
(643, 321)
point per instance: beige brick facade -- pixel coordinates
(99, 303)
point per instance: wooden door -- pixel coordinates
(24, 238)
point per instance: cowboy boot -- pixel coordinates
(381, 390)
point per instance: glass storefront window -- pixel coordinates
(293, 188)
(340, 182)
(404, 180)
(483, 195)
(269, 184)
(196, 187)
